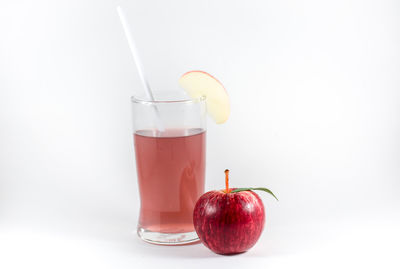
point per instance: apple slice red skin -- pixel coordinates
(229, 223)
(204, 72)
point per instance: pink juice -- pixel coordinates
(171, 171)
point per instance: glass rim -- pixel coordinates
(180, 101)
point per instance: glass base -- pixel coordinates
(172, 239)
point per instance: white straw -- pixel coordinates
(139, 65)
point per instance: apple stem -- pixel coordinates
(227, 190)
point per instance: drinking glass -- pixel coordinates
(170, 151)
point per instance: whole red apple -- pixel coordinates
(229, 221)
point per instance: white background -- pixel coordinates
(315, 98)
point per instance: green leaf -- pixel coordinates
(254, 189)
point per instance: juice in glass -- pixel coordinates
(170, 172)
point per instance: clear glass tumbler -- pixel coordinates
(170, 151)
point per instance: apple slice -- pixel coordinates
(199, 83)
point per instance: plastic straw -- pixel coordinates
(138, 63)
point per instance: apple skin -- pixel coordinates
(229, 223)
(199, 71)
